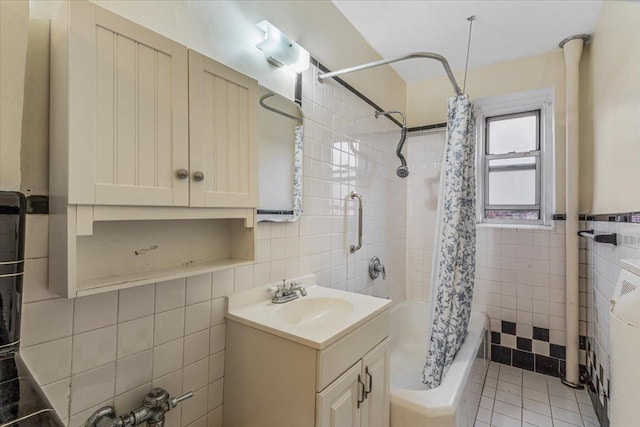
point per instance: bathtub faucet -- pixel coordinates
(375, 268)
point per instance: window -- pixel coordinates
(515, 160)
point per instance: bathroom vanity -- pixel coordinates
(321, 360)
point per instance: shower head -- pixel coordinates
(402, 171)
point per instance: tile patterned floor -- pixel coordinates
(513, 397)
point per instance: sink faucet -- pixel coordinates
(282, 293)
(156, 403)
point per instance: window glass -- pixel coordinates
(512, 134)
(518, 162)
(512, 187)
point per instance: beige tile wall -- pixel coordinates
(112, 348)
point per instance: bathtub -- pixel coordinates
(455, 402)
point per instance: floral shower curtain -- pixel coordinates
(454, 264)
(297, 174)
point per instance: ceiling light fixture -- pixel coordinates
(280, 50)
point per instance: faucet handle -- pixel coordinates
(173, 402)
(376, 267)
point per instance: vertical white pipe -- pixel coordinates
(572, 54)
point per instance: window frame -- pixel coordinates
(508, 106)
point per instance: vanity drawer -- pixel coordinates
(339, 356)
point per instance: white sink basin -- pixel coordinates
(316, 320)
(314, 311)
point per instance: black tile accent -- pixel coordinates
(600, 371)
(501, 354)
(508, 327)
(583, 342)
(557, 351)
(298, 89)
(583, 369)
(495, 337)
(633, 217)
(523, 359)
(38, 205)
(353, 90)
(541, 334)
(273, 212)
(600, 410)
(428, 127)
(524, 344)
(546, 365)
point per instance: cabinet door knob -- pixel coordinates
(198, 176)
(182, 174)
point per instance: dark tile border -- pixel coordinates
(630, 217)
(38, 205)
(501, 354)
(351, 89)
(297, 94)
(601, 410)
(547, 365)
(427, 127)
(523, 359)
(527, 360)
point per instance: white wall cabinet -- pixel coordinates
(223, 151)
(271, 381)
(121, 212)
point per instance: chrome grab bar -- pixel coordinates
(356, 195)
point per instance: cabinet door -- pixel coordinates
(337, 405)
(128, 112)
(375, 375)
(223, 153)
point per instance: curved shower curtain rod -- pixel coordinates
(275, 110)
(428, 55)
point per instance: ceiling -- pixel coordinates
(503, 30)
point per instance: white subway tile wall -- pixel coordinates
(424, 158)
(520, 278)
(112, 348)
(600, 265)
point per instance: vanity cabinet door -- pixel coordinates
(337, 405)
(223, 153)
(375, 376)
(124, 91)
